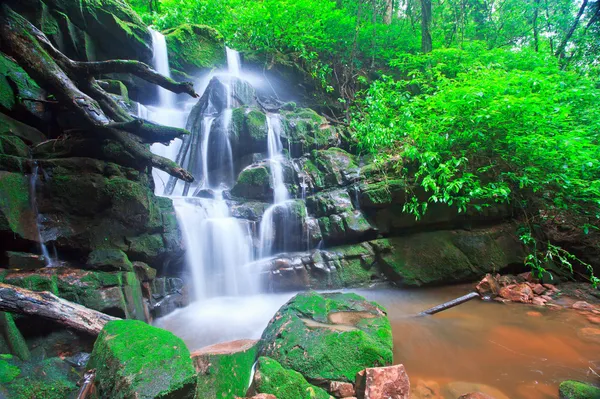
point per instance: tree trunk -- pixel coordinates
(389, 10)
(426, 45)
(49, 306)
(560, 51)
(536, 30)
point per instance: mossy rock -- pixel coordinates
(272, 378)
(109, 260)
(49, 378)
(305, 130)
(16, 215)
(135, 360)
(27, 134)
(443, 257)
(578, 390)
(337, 166)
(224, 370)
(13, 337)
(194, 48)
(328, 336)
(254, 182)
(15, 84)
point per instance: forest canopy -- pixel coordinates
(476, 102)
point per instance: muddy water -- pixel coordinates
(507, 350)
(504, 350)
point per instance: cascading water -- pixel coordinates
(44, 249)
(234, 64)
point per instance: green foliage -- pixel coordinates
(477, 128)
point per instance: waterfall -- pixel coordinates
(233, 62)
(160, 62)
(43, 247)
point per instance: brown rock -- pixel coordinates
(383, 383)
(539, 289)
(534, 314)
(517, 293)
(538, 301)
(582, 305)
(457, 388)
(547, 298)
(489, 285)
(551, 287)
(594, 319)
(475, 395)
(341, 389)
(426, 390)
(590, 334)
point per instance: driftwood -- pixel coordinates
(450, 304)
(93, 111)
(49, 306)
(87, 384)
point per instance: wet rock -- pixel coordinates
(144, 272)
(337, 167)
(538, 301)
(426, 390)
(224, 370)
(312, 334)
(383, 382)
(15, 83)
(254, 182)
(539, 289)
(25, 261)
(195, 48)
(11, 339)
(589, 334)
(166, 294)
(304, 130)
(582, 305)
(272, 378)
(517, 293)
(78, 360)
(341, 389)
(109, 260)
(133, 359)
(577, 390)
(488, 286)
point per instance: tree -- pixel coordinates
(560, 51)
(426, 45)
(95, 113)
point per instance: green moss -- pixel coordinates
(256, 123)
(238, 117)
(578, 390)
(34, 282)
(146, 246)
(383, 193)
(8, 372)
(329, 351)
(115, 87)
(13, 337)
(12, 74)
(195, 47)
(14, 200)
(283, 383)
(253, 183)
(132, 358)
(109, 259)
(226, 375)
(50, 379)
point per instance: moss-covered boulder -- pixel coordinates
(304, 130)
(195, 48)
(135, 360)
(578, 390)
(328, 336)
(272, 378)
(442, 257)
(50, 378)
(254, 182)
(335, 166)
(12, 339)
(16, 84)
(109, 259)
(224, 370)
(17, 218)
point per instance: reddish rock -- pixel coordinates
(383, 383)
(501, 300)
(538, 301)
(517, 293)
(539, 289)
(582, 305)
(475, 395)
(594, 319)
(534, 314)
(341, 389)
(426, 390)
(547, 298)
(551, 287)
(590, 334)
(527, 276)
(489, 285)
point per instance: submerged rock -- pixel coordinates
(578, 390)
(272, 378)
(135, 360)
(225, 370)
(328, 336)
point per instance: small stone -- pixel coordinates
(534, 314)
(517, 293)
(547, 298)
(426, 390)
(539, 289)
(501, 300)
(539, 301)
(551, 287)
(341, 389)
(489, 285)
(475, 395)
(594, 319)
(383, 382)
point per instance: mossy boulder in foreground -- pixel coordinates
(272, 378)
(328, 336)
(578, 390)
(135, 360)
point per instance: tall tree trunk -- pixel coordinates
(389, 10)
(560, 51)
(426, 45)
(536, 30)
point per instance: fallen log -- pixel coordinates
(49, 306)
(450, 304)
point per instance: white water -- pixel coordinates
(44, 249)
(160, 62)
(234, 64)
